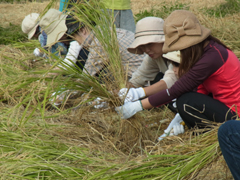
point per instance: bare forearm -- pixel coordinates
(160, 85)
(146, 104)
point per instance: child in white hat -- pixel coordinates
(176, 126)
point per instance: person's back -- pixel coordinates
(96, 56)
(130, 61)
(224, 82)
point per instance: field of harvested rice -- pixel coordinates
(78, 141)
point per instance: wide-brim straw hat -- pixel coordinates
(148, 30)
(30, 24)
(53, 24)
(182, 30)
(174, 56)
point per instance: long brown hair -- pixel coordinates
(191, 55)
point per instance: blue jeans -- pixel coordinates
(229, 141)
(58, 49)
(124, 19)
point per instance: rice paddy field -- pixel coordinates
(78, 141)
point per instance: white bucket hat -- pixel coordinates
(53, 24)
(148, 30)
(174, 56)
(30, 24)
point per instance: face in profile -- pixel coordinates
(175, 68)
(36, 34)
(154, 50)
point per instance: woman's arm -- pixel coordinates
(72, 54)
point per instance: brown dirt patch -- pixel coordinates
(15, 13)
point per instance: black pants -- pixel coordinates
(199, 109)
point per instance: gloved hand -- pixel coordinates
(178, 129)
(57, 98)
(99, 103)
(129, 109)
(132, 95)
(37, 52)
(174, 128)
(176, 121)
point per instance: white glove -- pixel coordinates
(164, 135)
(57, 98)
(129, 109)
(176, 121)
(37, 52)
(99, 103)
(133, 94)
(174, 128)
(178, 129)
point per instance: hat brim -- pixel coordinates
(57, 33)
(173, 56)
(133, 48)
(33, 31)
(186, 41)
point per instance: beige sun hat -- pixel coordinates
(182, 30)
(30, 24)
(148, 30)
(174, 56)
(53, 24)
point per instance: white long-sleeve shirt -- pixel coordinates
(148, 70)
(72, 55)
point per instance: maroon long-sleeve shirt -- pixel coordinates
(217, 72)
